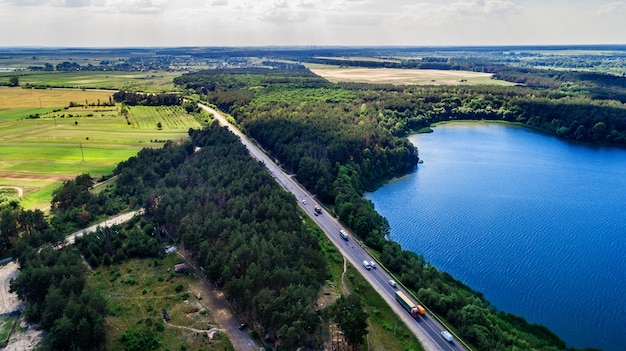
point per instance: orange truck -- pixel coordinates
(414, 309)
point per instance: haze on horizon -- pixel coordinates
(123, 23)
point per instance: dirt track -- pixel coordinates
(20, 191)
(8, 301)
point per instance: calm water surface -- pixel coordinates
(537, 224)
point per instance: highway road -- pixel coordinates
(427, 329)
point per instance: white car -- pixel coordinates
(393, 283)
(373, 264)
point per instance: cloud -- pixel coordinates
(306, 5)
(460, 9)
(137, 6)
(119, 6)
(219, 2)
(281, 12)
(612, 9)
(59, 3)
(484, 7)
(281, 4)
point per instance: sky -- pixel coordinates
(173, 23)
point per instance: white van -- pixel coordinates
(367, 265)
(446, 335)
(343, 234)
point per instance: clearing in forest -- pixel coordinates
(399, 76)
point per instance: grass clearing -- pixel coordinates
(6, 325)
(139, 290)
(63, 142)
(399, 76)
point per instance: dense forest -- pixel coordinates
(340, 139)
(244, 230)
(53, 285)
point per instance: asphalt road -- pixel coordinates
(427, 329)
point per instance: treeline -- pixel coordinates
(229, 88)
(112, 245)
(53, 286)
(594, 85)
(18, 225)
(406, 109)
(425, 63)
(244, 230)
(145, 99)
(339, 145)
(74, 205)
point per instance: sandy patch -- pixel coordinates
(402, 76)
(8, 301)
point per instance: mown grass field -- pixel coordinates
(63, 142)
(398, 76)
(138, 291)
(137, 81)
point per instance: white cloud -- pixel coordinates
(464, 8)
(306, 5)
(612, 9)
(484, 7)
(111, 6)
(137, 6)
(60, 3)
(281, 4)
(281, 13)
(219, 2)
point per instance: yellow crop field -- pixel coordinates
(399, 76)
(11, 98)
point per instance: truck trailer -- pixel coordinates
(414, 309)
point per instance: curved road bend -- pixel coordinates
(426, 328)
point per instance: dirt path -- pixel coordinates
(20, 191)
(344, 288)
(8, 301)
(210, 332)
(221, 311)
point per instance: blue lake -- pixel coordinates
(535, 223)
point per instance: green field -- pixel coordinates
(137, 81)
(63, 142)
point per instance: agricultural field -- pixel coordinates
(398, 76)
(138, 292)
(114, 80)
(44, 142)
